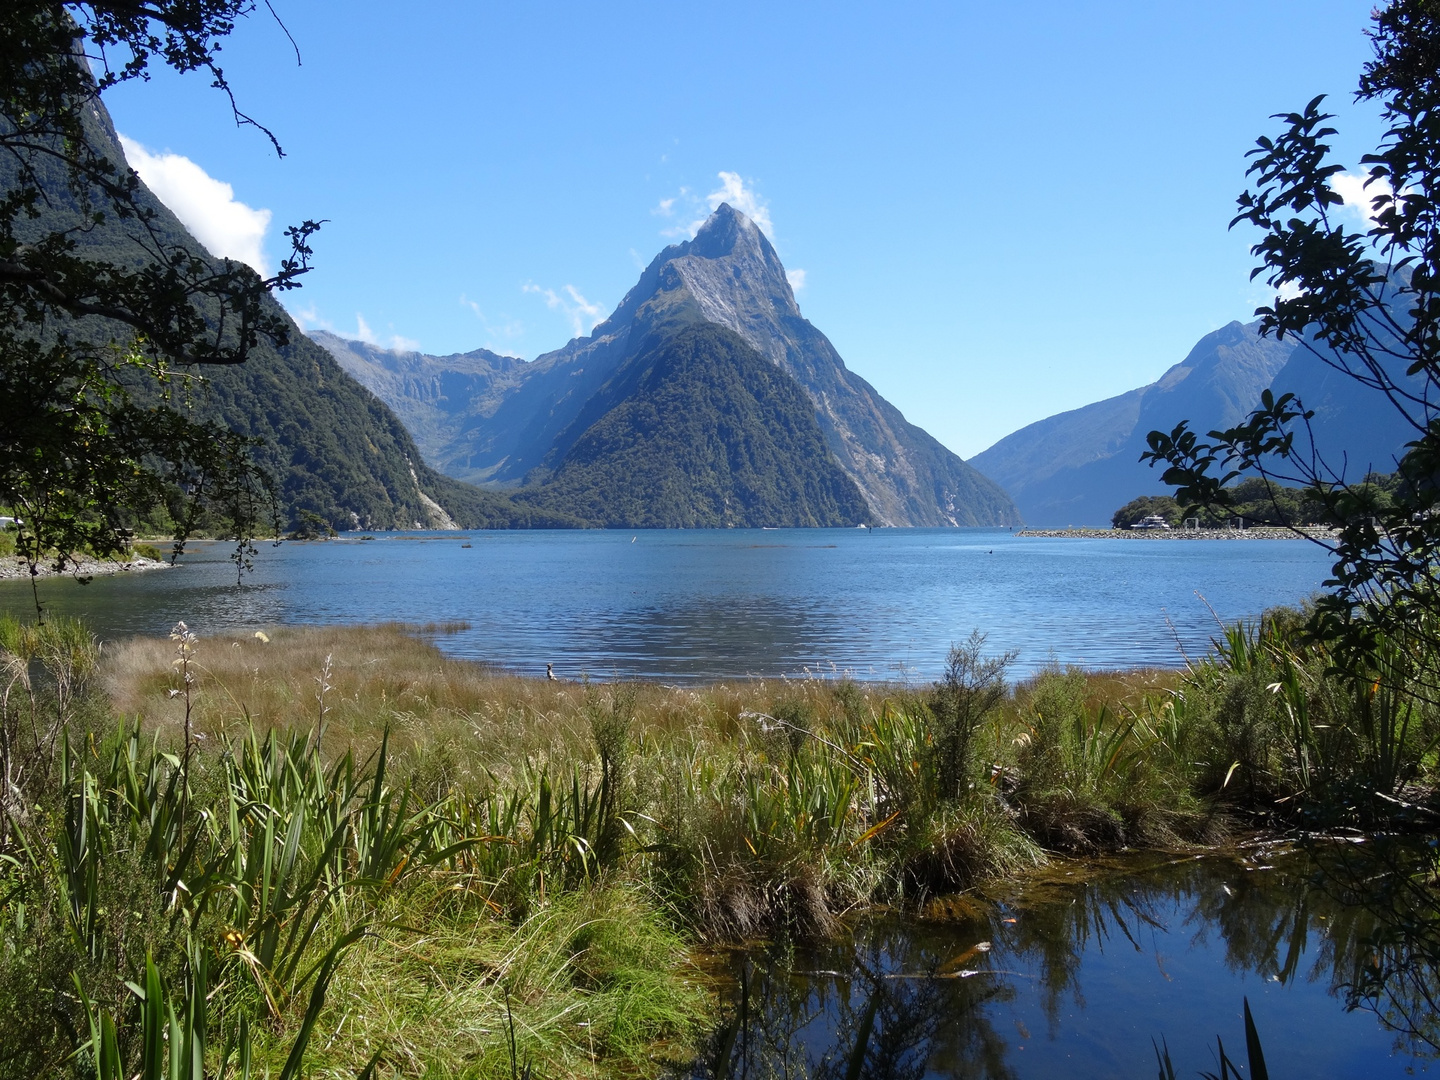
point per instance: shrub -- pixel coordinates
(972, 688)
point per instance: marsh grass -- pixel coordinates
(428, 867)
(585, 985)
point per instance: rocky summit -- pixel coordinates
(511, 424)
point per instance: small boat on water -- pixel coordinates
(1154, 521)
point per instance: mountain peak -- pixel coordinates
(726, 229)
(730, 272)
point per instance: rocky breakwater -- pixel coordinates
(14, 568)
(1258, 533)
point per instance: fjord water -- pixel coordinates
(704, 604)
(1084, 973)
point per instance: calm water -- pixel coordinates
(1075, 980)
(704, 604)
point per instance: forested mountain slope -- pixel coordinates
(698, 431)
(333, 448)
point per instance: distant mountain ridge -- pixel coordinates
(1079, 467)
(435, 397)
(508, 425)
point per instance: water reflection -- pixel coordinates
(1072, 978)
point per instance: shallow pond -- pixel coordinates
(1083, 972)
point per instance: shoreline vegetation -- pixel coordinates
(1259, 532)
(334, 846)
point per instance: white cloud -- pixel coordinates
(734, 189)
(206, 206)
(1358, 197)
(394, 341)
(745, 199)
(310, 319)
(583, 315)
(796, 279)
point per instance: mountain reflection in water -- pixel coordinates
(1075, 978)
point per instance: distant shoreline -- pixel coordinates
(1258, 533)
(16, 569)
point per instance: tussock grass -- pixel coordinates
(585, 986)
(760, 806)
(482, 871)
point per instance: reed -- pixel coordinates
(336, 849)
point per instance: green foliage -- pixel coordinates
(972, 688)
(169, 915)
(1277, 721)
(112, 312)
(1256, 501)
(528, 850)
(86, 319)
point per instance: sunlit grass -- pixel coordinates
(507, 869)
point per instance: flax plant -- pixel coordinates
(393, 860)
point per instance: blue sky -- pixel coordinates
(1001, 211)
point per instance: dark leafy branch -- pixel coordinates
(100, 338)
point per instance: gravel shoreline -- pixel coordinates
(1182, 534)
(14, 569)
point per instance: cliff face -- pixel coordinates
(730, 276)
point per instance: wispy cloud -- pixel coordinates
(504, 327)
(309, 318)
(206, 206)
(796, 279)
(390, 341)
(583, 315)
(683, 202)
(687, 210)
(743, 197)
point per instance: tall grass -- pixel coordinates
(1283, 729)
(333, 849)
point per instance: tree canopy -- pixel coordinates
(99, 341)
